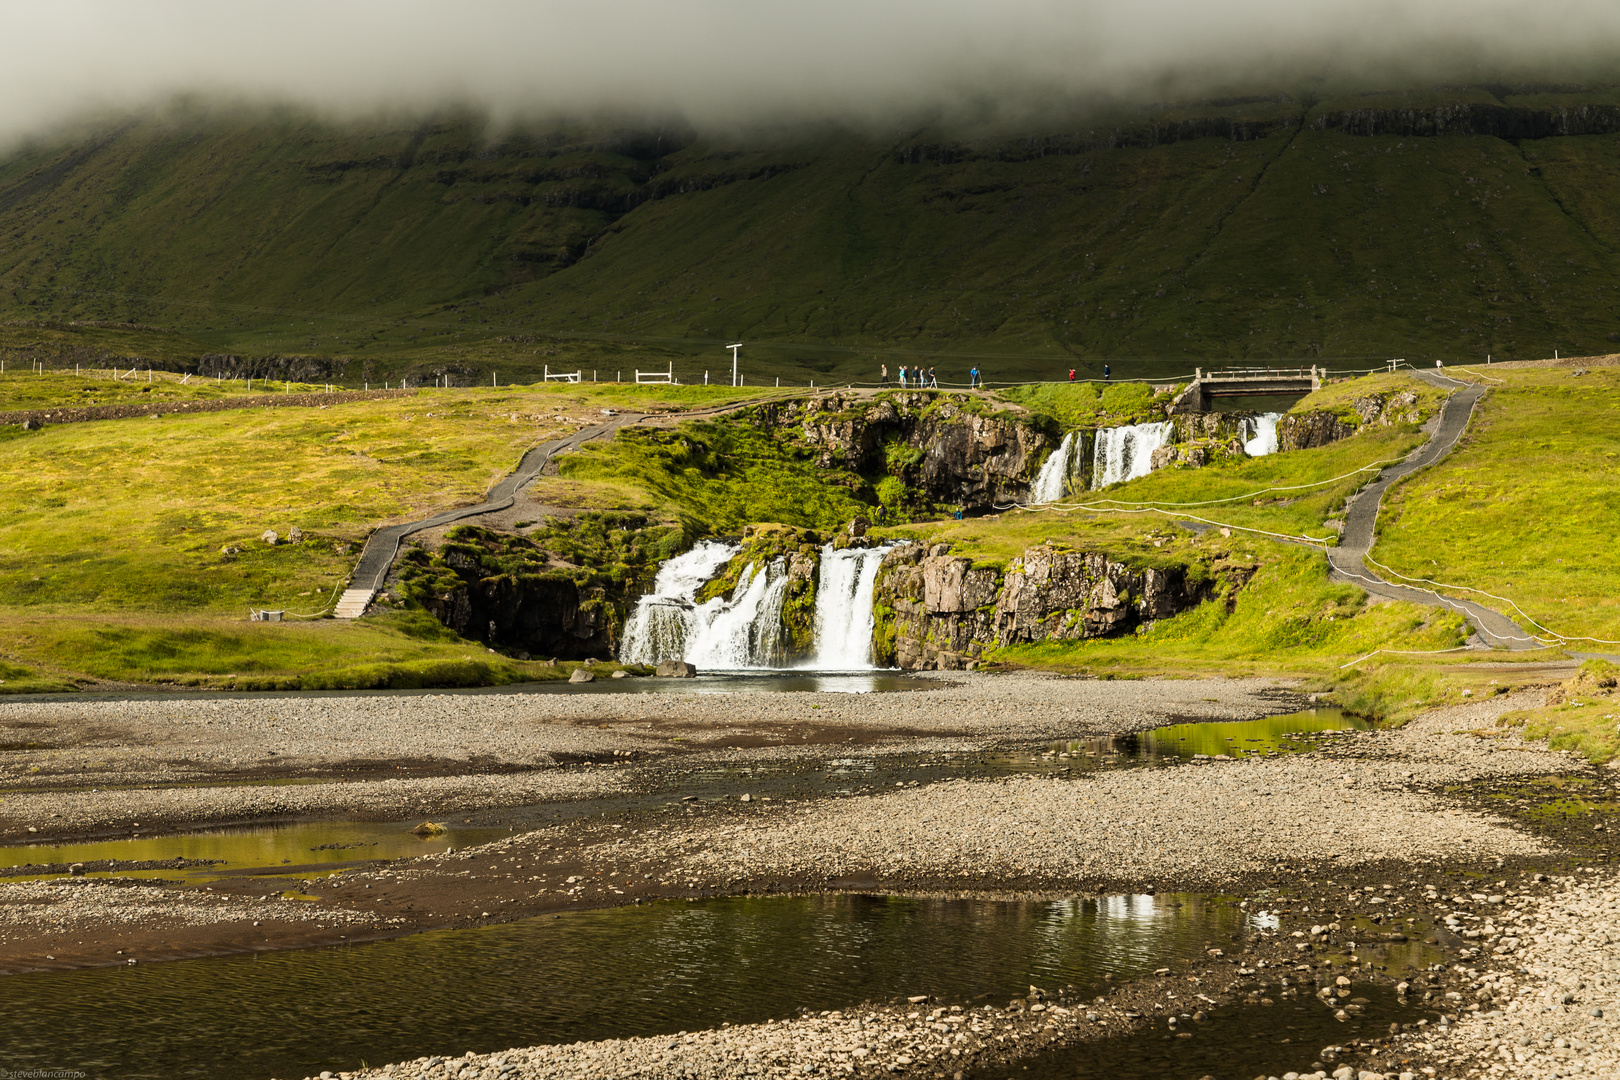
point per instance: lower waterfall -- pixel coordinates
(1260, 434)
(844, 606)
(1052, 482)
(1125, 453)
(744, 630)
(664, 619)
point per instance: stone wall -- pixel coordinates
(939, 611)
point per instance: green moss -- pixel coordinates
(721, 477)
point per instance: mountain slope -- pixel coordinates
(1443, 225)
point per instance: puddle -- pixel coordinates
(646, 970)
(1285, 734)
(301, 847)
(1231, 1044)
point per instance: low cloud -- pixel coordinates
(742, 61)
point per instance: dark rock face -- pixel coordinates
(1475, 118)
(1302, 431)
(539, 614)
(939, 611)
(937, 443)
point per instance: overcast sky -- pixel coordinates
(720, 61)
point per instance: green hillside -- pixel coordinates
(1344, 230)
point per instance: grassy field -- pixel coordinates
(135, 514)
(29, 390)
(1527, 507)
(440, 243)
(395, 651)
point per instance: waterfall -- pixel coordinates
(1125, 453)
(744, 631)
(663, 621)
(1260, 434)
(844, 606)
(1052, 482)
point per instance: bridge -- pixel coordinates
(1245, 381)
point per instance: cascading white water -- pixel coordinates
(744, 631)
(844, 606)
(1125, 453)
(1052, 482)
(663, 621)
(1260, 434)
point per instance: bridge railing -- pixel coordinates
(1255, 373)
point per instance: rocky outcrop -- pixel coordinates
(1303, 431)
(1319, 427)
(1199, 438)
(939, 611)
(943, 447)
(535, 614)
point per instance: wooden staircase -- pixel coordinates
(353, 603)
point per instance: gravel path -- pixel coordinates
(1360, 522)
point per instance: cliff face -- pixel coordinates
(1302, 431)
(939, 445)
(939, 611)
(542, 615)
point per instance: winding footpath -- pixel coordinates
(1348, 560)
(382, 546)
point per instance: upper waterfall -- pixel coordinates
(1125, 453)
(1260, 434)
(1052, 482)
(664, 619)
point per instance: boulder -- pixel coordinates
(675, 669)
(620, 674)
(295, 535)
(581, 675)
(270, 537)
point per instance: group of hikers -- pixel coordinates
(924, 378)
(919, 377)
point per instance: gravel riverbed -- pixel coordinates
(1544, 1001)
(152, 739)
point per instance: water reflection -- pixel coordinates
(590, 975)
(1284, 734)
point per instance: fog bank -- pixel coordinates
(731, 61)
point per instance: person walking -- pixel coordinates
(1108, 372)
(883, 374)
(933, 379)
(973, 378)
(902, 376)
(1071, 374)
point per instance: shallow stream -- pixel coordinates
(630, 971)
(314, 847)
